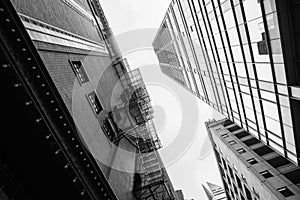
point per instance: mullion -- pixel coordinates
(206, 57)
(227, 61)
(209, 67)
(183, 45)
(273, 74)
(209, 40)
(176, 44)
(255, 73)
(200, 74)
(206, 60)
(179, 50)
(246, 68)
(190, 41)
(197, 31)
(233, 63)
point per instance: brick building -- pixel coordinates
(87, 125)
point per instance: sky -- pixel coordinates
(179, 115)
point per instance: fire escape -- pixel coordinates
(151, 181)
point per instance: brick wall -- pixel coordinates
(97, 65)
(57, 13)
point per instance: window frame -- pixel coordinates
(72, 62)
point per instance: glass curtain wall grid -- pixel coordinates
(229, 54)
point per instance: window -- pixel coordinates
(241, 150)
(278, 161)
(285, 191)
(263, 150)
(94, 102)
(232, 142)
(242, 134)
(252, 161)
(108, 130)
(79, 71)
(225, 135)
(251, 142)
(234, 128)
(266, 174)
(293, 176)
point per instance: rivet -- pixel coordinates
(64, 124)
(82, 193)
(105, 194)
(13, 30)
(38, 76)
(43, 85)
(4, 65)
(17, 85)
(98, 183)
(66, 166)
(68, 132)
(27, 103)
(51, 101)
(33, 67)
(84, 159)
(60, 117)
(56, 109)
(87, 165)
(92, 172)
(47, 93)
(95, 178)
(101, 189)
(75, 179)
(57, 152)
(38, 120)
(80, 152)
(1, 9)
(73, 139)
(48, 136)
(7, 20)
(28, 59)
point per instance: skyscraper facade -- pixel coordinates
(240, 58)
(78, 120)
(250, 169)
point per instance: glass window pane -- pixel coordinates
(286, 116)
(277, 147)
(260, 52)
(276, 51)
(270, 6)
(243, 34)
(289, 135)
(240, 69)
(270, 109)
(268, 95)
(280, 73)
(273, 26)
(237, 54)
(239, 15)
(252, 9)
(264, 72)
(284, 100)
(256, 30)
(233, 37)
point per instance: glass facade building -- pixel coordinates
(239, 57)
